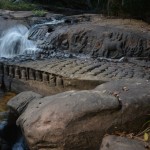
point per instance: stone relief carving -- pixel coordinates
(78, 41)
(98, 43)
(30, 74)
(111, 47)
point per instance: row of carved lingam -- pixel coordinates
(30, 74)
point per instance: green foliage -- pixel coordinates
(137, 8)
(145, 131)
(6, 4)
(127, 8)
(39, 13)
(114, 7)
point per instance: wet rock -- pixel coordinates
(36, 20)
(77, 19)
(4, 115)
(5, 12)
(9, 132)
(20, 144)
(20, 102)
(112, 142)
(52, 16)
(71, 120)
(21, 14)
(3, 125)
(10, 137)
(9, 23)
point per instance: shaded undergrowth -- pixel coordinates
(6, 4)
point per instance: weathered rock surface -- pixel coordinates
(112, 142)
(55, 75)
(71, 120)
(21, 101)
(95, 40)
(134, 97)
(21, 14)
(78, 120)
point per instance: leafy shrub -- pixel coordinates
(39, 13)
(7, 4)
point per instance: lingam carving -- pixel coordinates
(59, 81)
(11, 71)
(38, 75)
(45, 77)
(17, 72)
(23, 73)
(31, 74)
(1, 69)
(52, 80)
(6, 70)
(65, 44)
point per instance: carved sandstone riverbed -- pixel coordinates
(53, 75)
(56, 75)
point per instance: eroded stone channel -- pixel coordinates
(58, 75)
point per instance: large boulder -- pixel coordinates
(19, 102)
(68, 121)
(112, 142)
(79, 119)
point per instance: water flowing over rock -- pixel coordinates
(15, 42)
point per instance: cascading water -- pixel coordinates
(15, 42)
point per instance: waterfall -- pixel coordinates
(15, 42)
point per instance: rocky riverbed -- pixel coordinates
(10, 134)
(87, 79)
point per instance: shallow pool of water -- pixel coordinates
(4, 98)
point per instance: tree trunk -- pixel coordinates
(89, 3)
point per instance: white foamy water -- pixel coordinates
(54, 21)
(15, 42)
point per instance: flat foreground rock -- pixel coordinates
(134, 98)
(112, 142)
(71, 120)
(79, 119)
(20, 102)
